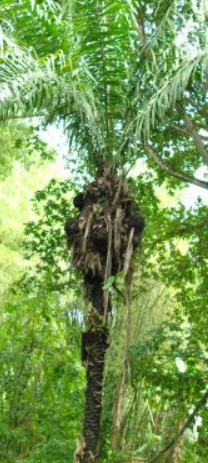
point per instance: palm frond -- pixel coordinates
(85, 62)
(28, 86)
(33, 23)
(6, 42)
(167, 12)
(167, 94)
(43, 9)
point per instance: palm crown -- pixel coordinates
(110, 69)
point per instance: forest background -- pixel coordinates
(157, 361)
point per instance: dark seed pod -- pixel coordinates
(136, 221)
(100, 239)
(79, 201)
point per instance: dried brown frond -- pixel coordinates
(106, 233)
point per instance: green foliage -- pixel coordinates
(41, 379)
(46, 236)
(24, 165)
(159, 359)
(21, 143)
(173, 236)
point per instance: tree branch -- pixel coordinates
(193, 133)
(188, 228)
(184, 132)
(182, 229)
(202, 402)
(180, 130)
(172, 172)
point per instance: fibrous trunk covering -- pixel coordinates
(103, 238)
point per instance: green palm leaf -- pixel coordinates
(168, 93)
(96, 65)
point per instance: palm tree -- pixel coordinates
(109, 70)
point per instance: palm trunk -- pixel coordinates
(94, 347)
(104, 237)
(96, 344)
(93, 405)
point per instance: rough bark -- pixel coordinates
(96, 350)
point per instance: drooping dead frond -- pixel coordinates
(79, 452)
(105, 234)
(129, 252)
(118, 231)
(87, 231)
